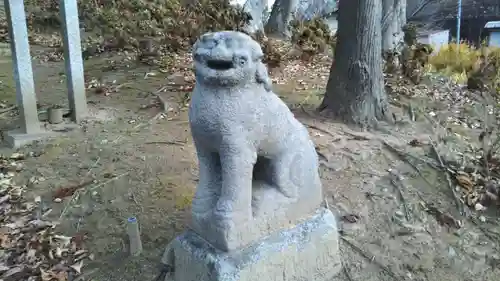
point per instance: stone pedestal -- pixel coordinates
(271, 212)
(19, 138)
(308, 251)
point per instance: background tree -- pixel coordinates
(279, 20)
(256, 9)
(413, 7)
(355, 89)
(393, 21)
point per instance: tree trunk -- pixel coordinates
(279, 20)
(255, 8)
(355, 90)
(308, 9)
(393, 20)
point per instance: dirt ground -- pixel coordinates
(134, 159)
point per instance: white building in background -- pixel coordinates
(493, 30)
(242, 2)
(437, 38)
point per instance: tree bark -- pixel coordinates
(279, 20)
(355, 89)
(255, 8)
(393, 20)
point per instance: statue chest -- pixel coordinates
(221, 108)
(212, 120)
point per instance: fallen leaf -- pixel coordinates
(352, 218)
(5, 241)
(416, 142)
(50, 275)
(64, 192)
(12, 271)
(78, 239)
(31, 253)
(40, 224)
(479, 207)
(472, 198)
(65, 240)
(465, 182)
(61, 276)
(17, 156)
(77, 267)
(58, 252)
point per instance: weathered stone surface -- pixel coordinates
(30, 127)
(308, 251)
(258, 168)
(73, 60)
(18, 138)
(23, 71)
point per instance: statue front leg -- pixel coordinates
(235, 200)
(208, 188)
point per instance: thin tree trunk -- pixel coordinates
(388, 24)
(279, 20)
(355, 90)
(255, 8)
(393, 20)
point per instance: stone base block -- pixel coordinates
(17, 139)
(308, 251)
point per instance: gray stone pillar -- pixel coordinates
(23, 72)
(73, 60)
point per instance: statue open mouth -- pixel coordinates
(220, 64)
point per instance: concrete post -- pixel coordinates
(23, 71)
(73, 59)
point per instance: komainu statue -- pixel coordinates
(256, 213)
(258, 167)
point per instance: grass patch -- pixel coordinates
(462, 61)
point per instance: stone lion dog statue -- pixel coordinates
(258, 168)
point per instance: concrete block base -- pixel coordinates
(308, 251)
(16, 139)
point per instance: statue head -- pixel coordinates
(229, 59)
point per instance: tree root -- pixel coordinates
(370, 257)
(458, 202)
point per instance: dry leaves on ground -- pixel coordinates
(478, 191)
(30, 248)
(477, 178)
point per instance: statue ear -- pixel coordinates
(200, 39)
(262, 77)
